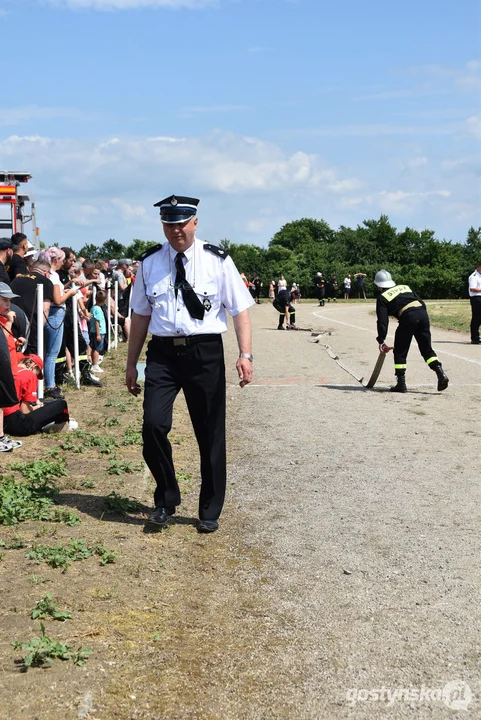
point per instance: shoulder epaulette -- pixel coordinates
(150, 251)
(220, 252)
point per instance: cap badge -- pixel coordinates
(173, 201)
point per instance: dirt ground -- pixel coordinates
(343, 582)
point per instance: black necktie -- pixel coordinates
(192, 302)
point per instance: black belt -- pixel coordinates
(185, 339)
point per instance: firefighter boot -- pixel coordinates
(443, 379)
(86, 377)
(400, 386)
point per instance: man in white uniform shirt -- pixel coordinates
(475, 300)
(181, 294)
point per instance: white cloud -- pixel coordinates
(132, 4)
(248, 187)
(473, 125)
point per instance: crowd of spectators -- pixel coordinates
(63, 277)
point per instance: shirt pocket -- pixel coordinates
(208, 294)
(158, 297)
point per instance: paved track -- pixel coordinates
(366, 506)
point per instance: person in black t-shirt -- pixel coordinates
(25, 285)
(6, 250)
(17, 262)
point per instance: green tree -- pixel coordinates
(112, 249)
(90, 251)
(137, 247)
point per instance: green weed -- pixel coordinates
(41, 471)
(104, 443)
(42, 651)
(62, 556)
(88, 484)
(119, 467)
(14, 544)
(37, 580)
(115, 503)
(112, 422)
(46, 608)
(132, 436)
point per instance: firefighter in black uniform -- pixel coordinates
(401, 302)
(320, 288)
(285, 308)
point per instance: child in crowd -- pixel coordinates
(97, 329)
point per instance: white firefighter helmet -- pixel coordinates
(383, 279)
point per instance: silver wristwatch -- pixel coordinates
(247, 355)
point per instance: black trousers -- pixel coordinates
(24, 424)
(199, 371)
(475, 317)
(413, 323)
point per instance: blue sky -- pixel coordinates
(267, 110)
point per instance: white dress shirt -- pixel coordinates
(474, 282)
(215, 280)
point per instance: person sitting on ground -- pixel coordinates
(8, 395)
(29, 416)
(97, 329)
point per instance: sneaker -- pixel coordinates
(96, 368)
(9, 444)
(72, 425)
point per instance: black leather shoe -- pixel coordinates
(170, 510)
(475, 342)
(207, 526)
(159, 517)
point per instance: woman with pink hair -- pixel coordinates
(54, 325)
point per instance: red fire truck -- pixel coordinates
(16, 210)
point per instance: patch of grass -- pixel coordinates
(112, 422)
(42, 651)
(69, 445)
(46, 608)
(450, 315)
(37, 580)
(88, 483)
(33, 500)
(132, 436)
(14, 544)
(115, 503)
(62, 556)
(104, 443)
(119, 467)
(41, 471)
(116, 404)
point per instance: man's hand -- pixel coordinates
(131, 376)
(244, 370)
(384, 349)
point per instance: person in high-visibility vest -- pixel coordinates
(410, 310)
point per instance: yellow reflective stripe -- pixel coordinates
(395, 291)
(431, 360)
(400, 367)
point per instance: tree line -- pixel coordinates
(434, 268)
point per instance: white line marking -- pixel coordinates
(371, 332)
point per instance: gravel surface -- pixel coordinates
(365, 505)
